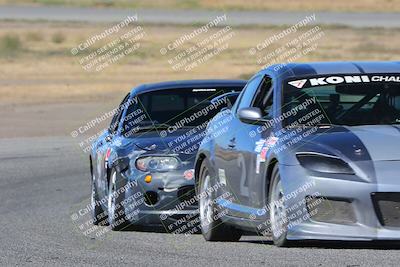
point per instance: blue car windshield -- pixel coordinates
(342, 100)
(180, 108)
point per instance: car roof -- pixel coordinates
(187, 84)
(330, 68)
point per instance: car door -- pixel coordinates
(104, 149)
(254, 146)
(230, 162)
(250, 141)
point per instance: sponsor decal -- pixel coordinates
(106, 157)
(262, 148)
(395, 79)
(258, 163)
(298, 83)
(338, 80)
(263, 154)
(271, 141)
(222, 176)
(259, 145)
(204, 90)
(348, 79)
(108, 154)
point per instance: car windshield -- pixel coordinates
(178, 108)
(343, 100)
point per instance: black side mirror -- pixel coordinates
(251, 115)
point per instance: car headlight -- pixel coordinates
(324, 163)
(157, 163)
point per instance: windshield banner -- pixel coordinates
(344, 79)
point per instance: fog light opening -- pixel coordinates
(331, 210)
(150, 198)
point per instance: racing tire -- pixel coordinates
(212, 229)
(277, 208)
(99, 217)
(116, 212)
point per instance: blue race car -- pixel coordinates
(308, 151)
(142, 165)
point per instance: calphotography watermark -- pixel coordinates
(192, 223)
(189, 36)
(209, 41)
(103, 49)
(293, 50)
(299, 206)
(88, 133)
(98, 212)
(191, 117)
(189, 131)
(286, 32)
(298, 40)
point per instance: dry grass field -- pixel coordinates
(45, 91)
(37, 65)
(288, 5)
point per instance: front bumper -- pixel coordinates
(167, 201)
(360, 221)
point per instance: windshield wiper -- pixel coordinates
(325, 125)
(154, 127)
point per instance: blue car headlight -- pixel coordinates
(157, 163)
(324, 163)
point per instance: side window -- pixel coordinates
(135, 116)
(247, 96)
(264, 97)
(117, 116)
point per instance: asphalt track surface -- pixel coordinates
(45, 180)
(234, 18)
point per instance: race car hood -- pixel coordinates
(356, 143)
(382, 142)
(180, 141)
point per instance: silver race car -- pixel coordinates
(308, 151)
